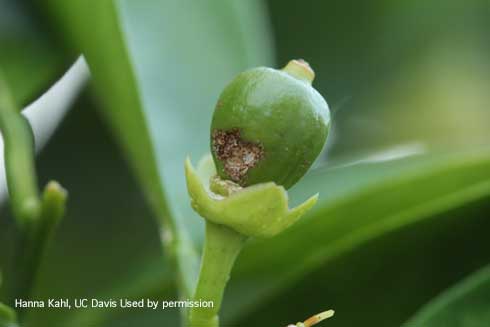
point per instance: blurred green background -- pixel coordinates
(401, 77)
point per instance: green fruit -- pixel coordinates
(269, 126)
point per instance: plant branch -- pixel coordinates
(36, 217)
(34, 240)
(221, 248)
(19, 160)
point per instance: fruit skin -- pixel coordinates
(279, 120)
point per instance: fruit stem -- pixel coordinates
(221, 248)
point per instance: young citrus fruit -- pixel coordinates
(269, 126)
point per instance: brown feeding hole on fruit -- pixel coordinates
(237, 155)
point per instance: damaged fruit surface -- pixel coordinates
(269, 126)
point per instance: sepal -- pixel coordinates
(260, 210)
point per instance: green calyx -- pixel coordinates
(269, 126)
(260, 210)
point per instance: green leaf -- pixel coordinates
(463, 305)
(159, 76)
(30, 59)
(363, 207)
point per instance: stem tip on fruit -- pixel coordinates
(300, 69)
